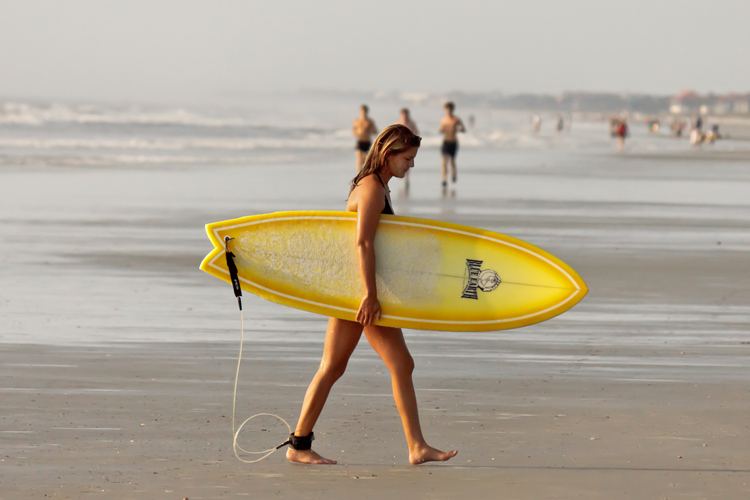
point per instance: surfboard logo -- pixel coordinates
(477, 278)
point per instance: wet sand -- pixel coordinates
(117, 355)
(154, 422)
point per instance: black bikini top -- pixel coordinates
(387, 209)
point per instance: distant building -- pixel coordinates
(691, 102)
(686, 103)
(611, 102)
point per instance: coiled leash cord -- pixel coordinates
(235, 433)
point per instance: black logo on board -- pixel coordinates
(485, 280)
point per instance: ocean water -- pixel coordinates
(288, 130)
(285, 128)
(102, 208)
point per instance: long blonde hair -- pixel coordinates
(393, 140)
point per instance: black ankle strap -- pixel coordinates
(299, 442)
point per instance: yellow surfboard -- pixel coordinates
(431, 275)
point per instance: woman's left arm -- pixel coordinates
(370, 205)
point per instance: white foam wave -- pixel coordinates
(28, 114)
(177, 144)
(117, 160)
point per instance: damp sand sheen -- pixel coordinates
(431, 275)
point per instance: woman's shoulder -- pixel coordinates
(368, 188)
(369, 183)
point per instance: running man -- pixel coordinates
(450, 126)
(363, 129)
(409, 123)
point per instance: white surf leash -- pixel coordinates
(235, 433)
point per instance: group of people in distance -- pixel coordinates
(618, 128)
(698, 137)
(450, 125)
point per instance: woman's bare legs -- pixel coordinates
(341, 339)
(390, 345)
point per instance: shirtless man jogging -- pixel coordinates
(363, 129)
(406, 120)
(450, 126)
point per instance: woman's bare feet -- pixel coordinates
(307, 457)
(429, 454)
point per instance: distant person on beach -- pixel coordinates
(713, 134)
(536, 122)
(392, 155)
(699, 123)
(653, 124)
(407, 121)
(697, 137)
(363, 129)
(622, 132)
(614, 121)
(677, 127)
(450, 126)
(560, 124)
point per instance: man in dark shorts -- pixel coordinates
(363, 129)
(450, 148)
(450, 126)
(364, 146)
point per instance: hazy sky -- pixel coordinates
(184, 49)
